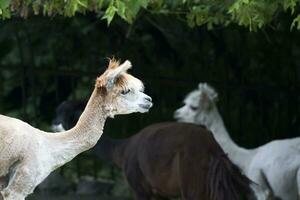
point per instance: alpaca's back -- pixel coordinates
(12, 131)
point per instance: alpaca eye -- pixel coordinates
(193, 107)
(124, 92)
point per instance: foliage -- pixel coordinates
(253, 14)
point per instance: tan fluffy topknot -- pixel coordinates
(120, 81)
(113, 63)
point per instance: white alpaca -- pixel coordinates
(275, 166)
(28, 155)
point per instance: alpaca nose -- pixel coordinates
(148, 99)
(176, 114)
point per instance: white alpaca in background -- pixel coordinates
(275, 166)
(28, 155)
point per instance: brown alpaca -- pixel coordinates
(169, 160)
(28, 155)
(178, 159)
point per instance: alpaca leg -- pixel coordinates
(138, 192)
(138, 189)
(17, 188)
(187, 192)
(260, 193)
(260, 186)
(21, 184)
(137, 182)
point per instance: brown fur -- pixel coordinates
(120, 82)
(101, 80)
(176, 159)
(113, 63)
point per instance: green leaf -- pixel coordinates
(121, 9)
(110, 13)
(133, 7)
(143, 3)
(5, 14)
(82, 4)
(36, 7)
(4, 3)
(289, 4)
(100, 3)
(253, 14)
(191, 19)
(296, 22)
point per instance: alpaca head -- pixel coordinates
(198, 105)
(121, 92)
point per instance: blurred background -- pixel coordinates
(46, 60)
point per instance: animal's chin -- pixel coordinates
(144, 108)
(182, 119)
(179, 119)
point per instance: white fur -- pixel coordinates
(58, 128)
(121, 69)
(274, 166)
(28, 155)
(135, 96)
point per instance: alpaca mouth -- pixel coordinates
(178, 119)
(176, 116)
(146, 106)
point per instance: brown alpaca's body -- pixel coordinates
(178, 159)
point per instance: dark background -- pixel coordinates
(45, 61)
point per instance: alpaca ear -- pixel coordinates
(209, 90)
(202, 86)
(115, 72)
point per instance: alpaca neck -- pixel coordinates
(110, 150)
(84, 135)
(240, 156)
